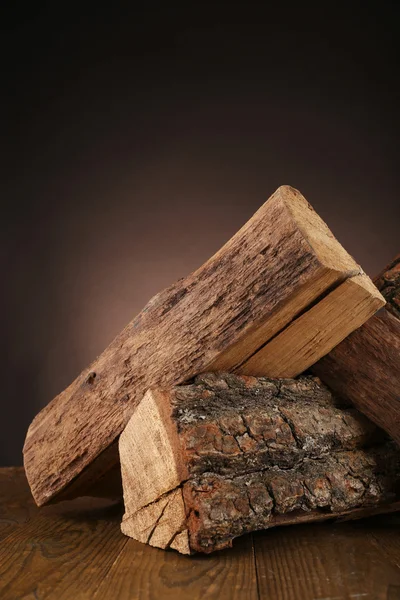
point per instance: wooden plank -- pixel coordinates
(60, 552)
(385, 531)
(16, 502)
(350, 560)
(147, 573)
(325, 561)
(204, 463)
(73, 550)
(365, 367)
(272, 270)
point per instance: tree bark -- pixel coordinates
(232, 454)
(388, 282)
(279, 265)
(365, 367)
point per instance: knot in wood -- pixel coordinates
(91, 377)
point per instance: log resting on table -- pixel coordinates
(365, 367)
(206, 462)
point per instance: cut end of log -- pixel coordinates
(235, 454)
(316, 232)
(152, 450)
(161, 524)
(154, 508)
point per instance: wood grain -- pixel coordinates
(231, 454)
(146, 573)
(365, 367)
(16, 502)
(317, 331)
(325, 561)
(281, 262)
(68, 549)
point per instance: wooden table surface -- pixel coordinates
(75, 550)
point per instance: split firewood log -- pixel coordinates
(206, 462)
(365, 367)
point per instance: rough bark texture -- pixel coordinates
(365, 367)
(272, 270)
(249, 454)
(388, 282)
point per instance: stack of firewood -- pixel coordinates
(213, 402)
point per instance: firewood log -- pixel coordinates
(260, 286)
(365, 367)
(206, 462)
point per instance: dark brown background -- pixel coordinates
(136, 145)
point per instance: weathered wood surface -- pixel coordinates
(279, 264)
(232, 454)
(16, 502)
(145, 573)
(317, 331)
(365, 367)
(76, 550)
(329, 561)
(60, 552)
